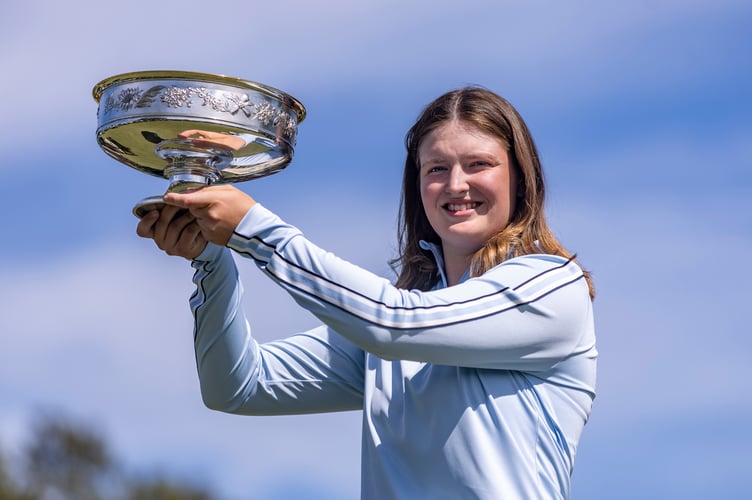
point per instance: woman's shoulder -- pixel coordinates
(537, 271)
(542, 261)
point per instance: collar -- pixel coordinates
(438, 255)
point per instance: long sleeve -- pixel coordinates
(527, 314)
(479, 390)
(315, 371)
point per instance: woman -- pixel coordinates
(475, 373)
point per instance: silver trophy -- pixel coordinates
(195, 129)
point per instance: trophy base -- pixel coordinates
(147, 205)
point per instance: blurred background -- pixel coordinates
(642, 114)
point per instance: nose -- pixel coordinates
(458, 181)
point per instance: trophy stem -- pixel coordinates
(189, 177)
(192, 164)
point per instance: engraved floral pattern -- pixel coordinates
(287, 124)
(126, 99)
(264, 113)
(178, 97)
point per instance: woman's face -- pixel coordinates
(467, 186)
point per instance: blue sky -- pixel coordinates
(642, 114)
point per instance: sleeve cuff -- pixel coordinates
(211, 252)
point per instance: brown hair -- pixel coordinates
(527, 231)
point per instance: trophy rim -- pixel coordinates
(134, 76)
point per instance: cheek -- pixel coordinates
(424, 193)
(429, 193)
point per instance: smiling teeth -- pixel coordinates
(456, 207)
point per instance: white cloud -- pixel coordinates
(106, 335)
(660, 217)
(667, 252)
(566, 51)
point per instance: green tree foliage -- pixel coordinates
(68, 459)
(65, 460)
(8, 488)
(160, 490)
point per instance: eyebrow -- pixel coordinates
(488, 156)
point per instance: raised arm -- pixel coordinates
(529, 313)
(315, 371)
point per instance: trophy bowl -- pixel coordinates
(195, 129)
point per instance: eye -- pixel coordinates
(480, 163)
(433, 169)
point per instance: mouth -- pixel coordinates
(461, 207)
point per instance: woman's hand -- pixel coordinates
(174, 230)
(217, 210)
(233, 142)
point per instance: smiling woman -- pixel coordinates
(475, 372)
(468, 189)
(483, 134)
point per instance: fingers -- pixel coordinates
(223, 196)
(165, 224)
(174, 231)
(217, 209)
(191, 242)
(198, 198)
(185, 134)
(183, 200)
(169, 228)
(187, 242)
(145, 228)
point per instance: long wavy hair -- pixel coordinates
(527, 231)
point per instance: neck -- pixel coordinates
(455, 267)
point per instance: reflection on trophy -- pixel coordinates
(195, 129)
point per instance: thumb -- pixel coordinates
(186, 199)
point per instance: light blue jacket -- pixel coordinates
(479, 390)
